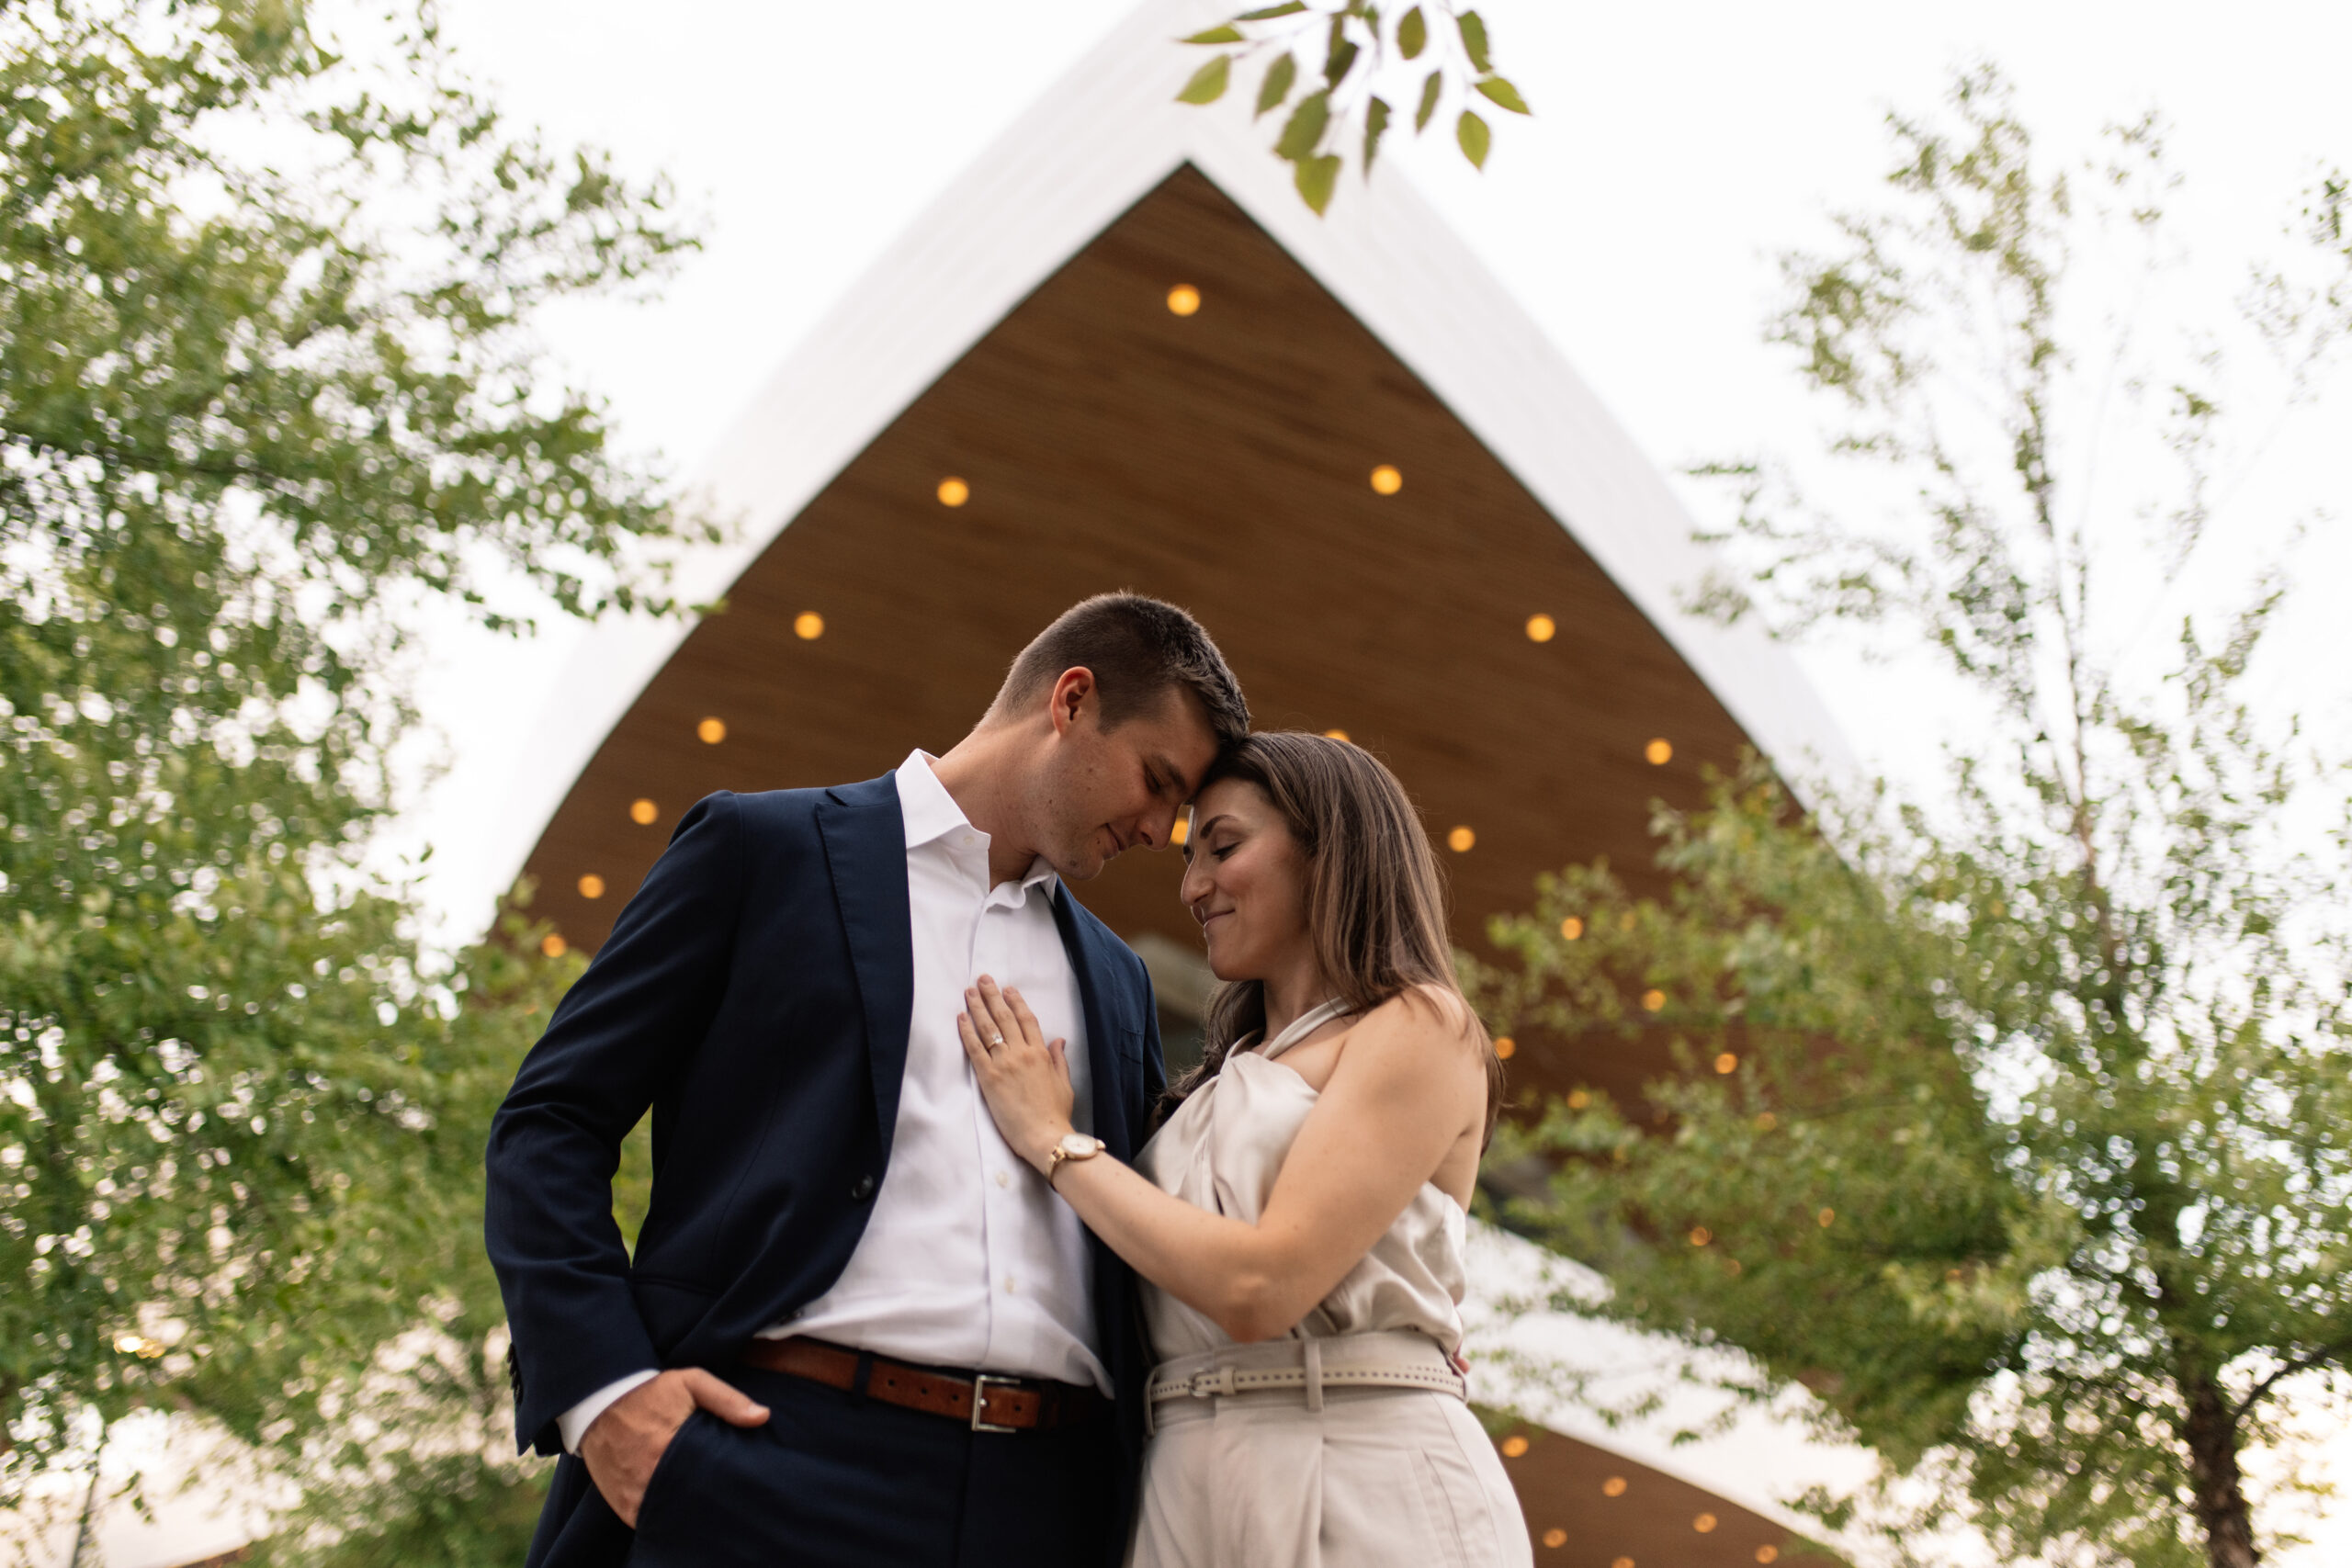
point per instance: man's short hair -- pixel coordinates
(1139, 649)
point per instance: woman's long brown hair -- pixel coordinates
(1376, 901)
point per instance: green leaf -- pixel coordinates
(1342, 54)
(1207, 84)
(1503, 92)
(1316, 178)
(1430, 91)
(1473, 40)
(1269, 13)
(1375, 124)
(1279, 76)
(1226, 34)
(1412, 34)
(1303, 131)
(1471, 132)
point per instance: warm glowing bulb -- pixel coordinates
(592, 886)
(1335, 735)
(1571, 929)
(1387, 480)
(1659, 752)
(1727, 1063)
(1181, 830)
(553, 946)
(1514, 1446)
(809, 625)
(1701, 1236)
(1623, 1563)
(954, 491)
(1505, 1047)
(1614, 1487)
(1556, 1538)
(711, 731)
(1766, 1122)
(1731, 1266)
(1827, 1217)
(1460, 840)
(1653, 999)
(1579, 1100)
(1704, 1523)
(1767, 1554)
(643, 812)
(1183, 300)
(1540, 629)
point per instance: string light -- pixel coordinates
(954, 491)
(1614, 1487)
(553, 946)
(643, 812)
(1556, 1538)
(1183, 830)
(1505, 1047)
(711, 731)
(1514, 1446)
(1727, 1063)
(1459, 839)
(1704, 1523)
(809, 625)
(1767, 1554)
(592, 886)
(1659, 752)
(1335, 735)
(1540, 629)
(1701, 1236)
(1387, 480)
(1183, 300)
(1653, 1001)
(1579, 1100)
(1827, 1217)
(1571, 929)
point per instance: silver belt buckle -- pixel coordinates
(980, 1382)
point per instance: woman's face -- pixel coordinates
(1245, 881)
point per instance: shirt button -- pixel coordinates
(1004, 1179)
(1008, 1284)
(863, 1190)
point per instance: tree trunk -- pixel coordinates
(2212, 1431)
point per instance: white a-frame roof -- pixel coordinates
(1100, 139)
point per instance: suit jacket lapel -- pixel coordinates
(865, 847)
(1104, 1026)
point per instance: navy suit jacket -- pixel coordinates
(755, 994)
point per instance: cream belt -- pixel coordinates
(1393, 1359)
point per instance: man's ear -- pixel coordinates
(1074, 694)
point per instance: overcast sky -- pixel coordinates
(1677, 150)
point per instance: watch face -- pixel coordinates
(1078, 1145)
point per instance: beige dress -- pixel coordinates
(1347, 1443)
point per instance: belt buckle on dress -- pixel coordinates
(980, 1382)
(1210, 1384)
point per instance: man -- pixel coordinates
(858, 1327)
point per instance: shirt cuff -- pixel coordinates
(573, 1423)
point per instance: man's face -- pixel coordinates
(1101, 792)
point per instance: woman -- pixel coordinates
(1298, 1218)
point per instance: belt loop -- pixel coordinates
(863, 1375)
(1314, 1373)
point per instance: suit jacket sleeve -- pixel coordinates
(622, 1033)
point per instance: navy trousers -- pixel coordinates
(834, 1478)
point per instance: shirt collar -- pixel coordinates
(932, 814)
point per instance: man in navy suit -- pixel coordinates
(857, 1329)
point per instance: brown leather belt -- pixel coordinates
(983, 1401)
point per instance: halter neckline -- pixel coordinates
(1304, 1024)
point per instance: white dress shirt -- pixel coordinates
(969, 1259)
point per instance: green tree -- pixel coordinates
(267, 390)
(1429, 50)
(2009, 1123)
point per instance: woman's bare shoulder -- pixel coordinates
(1419, 1018)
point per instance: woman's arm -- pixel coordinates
(1403, 1090)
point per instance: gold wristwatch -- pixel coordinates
(1074, 1145)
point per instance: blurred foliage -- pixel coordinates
(2010, 1124)
(1432, 51)
(268, 399)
